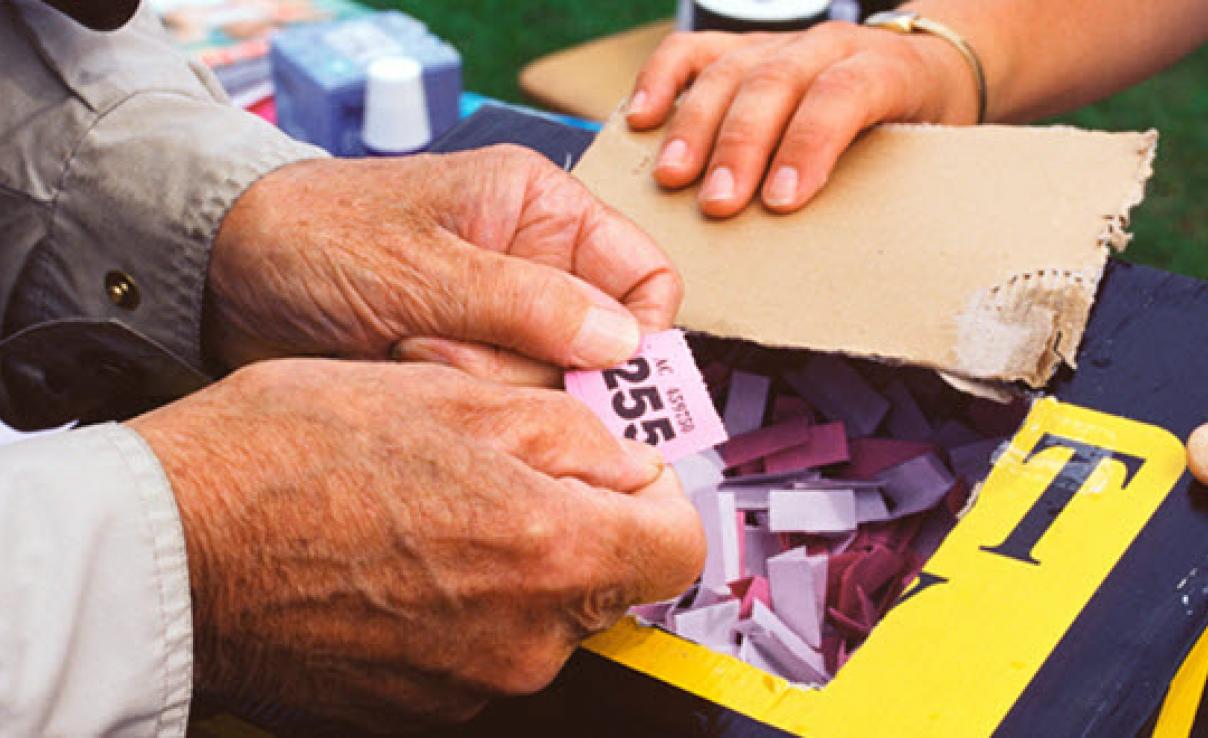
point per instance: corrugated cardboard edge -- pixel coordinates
(1001, 327)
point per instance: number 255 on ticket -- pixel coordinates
(657, 397)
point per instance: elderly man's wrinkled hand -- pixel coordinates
(386, 546)
(495, 261)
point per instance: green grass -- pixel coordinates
(1171, 227)
(497, 37)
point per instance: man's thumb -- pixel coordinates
(545, 313)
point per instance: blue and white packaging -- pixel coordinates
(319, 74)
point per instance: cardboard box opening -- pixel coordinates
(889, 458)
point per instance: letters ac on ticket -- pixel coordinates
(1063, 503)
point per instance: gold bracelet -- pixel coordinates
(908, 21)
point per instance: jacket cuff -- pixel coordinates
(142, 199)
(97, 627)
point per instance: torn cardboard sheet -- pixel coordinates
(975, 250)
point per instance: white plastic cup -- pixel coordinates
(396, 110)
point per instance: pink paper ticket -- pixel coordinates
(657, 397)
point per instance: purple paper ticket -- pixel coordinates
(657, 397)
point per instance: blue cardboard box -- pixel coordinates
(319, 76)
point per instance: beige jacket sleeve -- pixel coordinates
(95, 629)
(118, 160)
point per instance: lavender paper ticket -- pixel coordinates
(657, 397)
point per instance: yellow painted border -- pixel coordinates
(705, 673)
(1182, 702)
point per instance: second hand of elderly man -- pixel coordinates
(495, 261)
(388, 544)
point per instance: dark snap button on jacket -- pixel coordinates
(122, 290)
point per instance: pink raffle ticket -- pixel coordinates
(657, 397)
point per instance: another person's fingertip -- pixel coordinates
(1197, 453)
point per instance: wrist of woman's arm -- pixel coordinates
(1043, 58)
(980, 25)
(955, 98)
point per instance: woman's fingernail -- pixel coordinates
(719, 185)
(782, 190)
(605, 338)
(674, 154)
(637, 103)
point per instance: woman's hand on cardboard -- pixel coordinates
(787, 105)
(386, 546)
(495, 261)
